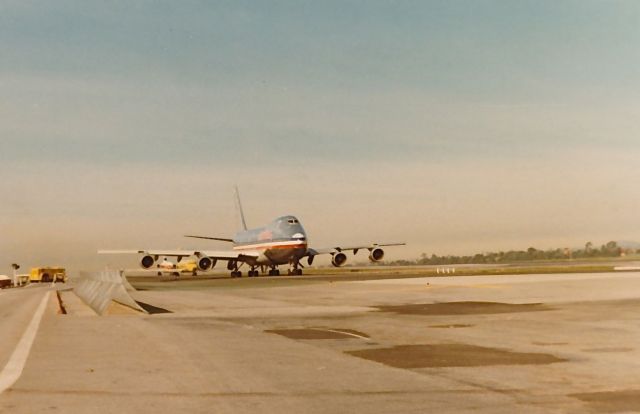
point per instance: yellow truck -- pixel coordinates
(176, 269)
(188, 267)
(48, 274)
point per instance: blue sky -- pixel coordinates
(466, 125)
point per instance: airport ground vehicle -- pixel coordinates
(188, 267)
(176, 269)
(48, 274)
(5, 281)
(22, 279)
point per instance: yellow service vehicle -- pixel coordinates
(48, 274)
(188, 267)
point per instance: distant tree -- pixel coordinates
(478, 258)
(612, 245)
(610, 249)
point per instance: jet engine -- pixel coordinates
(206, 263)
(376, 254)
(147, 261)
(339, 259)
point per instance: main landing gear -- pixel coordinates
(233, 266)
(296, 271)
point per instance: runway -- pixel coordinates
(529, 344)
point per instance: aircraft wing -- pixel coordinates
(337, 249)
(214, 254)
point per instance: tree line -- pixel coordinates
(610, 249)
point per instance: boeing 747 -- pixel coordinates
(281, 242)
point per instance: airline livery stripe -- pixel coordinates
(294, 244)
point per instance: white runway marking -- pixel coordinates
(12, 371)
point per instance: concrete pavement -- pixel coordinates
(448, 344)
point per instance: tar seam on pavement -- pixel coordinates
(463, 308)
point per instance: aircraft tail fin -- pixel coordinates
(243, 223)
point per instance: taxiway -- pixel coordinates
(535, 343)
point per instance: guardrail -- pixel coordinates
(99, 289)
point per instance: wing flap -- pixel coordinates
(214, 254)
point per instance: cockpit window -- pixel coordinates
(293, 221)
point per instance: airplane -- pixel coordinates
(281, 242)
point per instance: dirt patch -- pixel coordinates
(610, 349)
(450, 355)
(464, 308)
(611, 401)
(454, 325)
(316, 333)
(116, 308)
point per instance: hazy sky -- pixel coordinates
(457, 126)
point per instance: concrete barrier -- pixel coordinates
(99, 289)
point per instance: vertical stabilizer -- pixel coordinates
(243, 223)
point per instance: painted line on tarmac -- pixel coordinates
(12, 371)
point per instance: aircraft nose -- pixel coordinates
(298, 236)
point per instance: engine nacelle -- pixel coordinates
(339, 259)
(376, 255)
(205, 263)
(147, 261)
